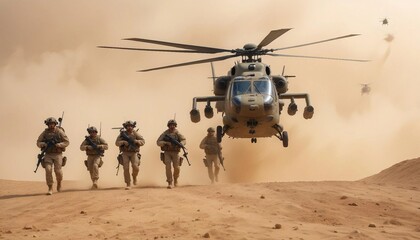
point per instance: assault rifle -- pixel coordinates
(50, 143)
(221, 158)
(173, 141)
(95, 146)
(131, 142)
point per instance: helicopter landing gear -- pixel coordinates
(282, 135)
(253, 140)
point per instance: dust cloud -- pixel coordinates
(50, 64)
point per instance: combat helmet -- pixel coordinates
(129, 123)
(172, 122)
(210, 129)
(50, 120)
(92, 129)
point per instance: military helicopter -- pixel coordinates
(384, 21)
(249, 96)
(365, 88)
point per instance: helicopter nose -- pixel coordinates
(253, 107)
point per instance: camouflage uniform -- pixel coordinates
(212, 149)
(171, 152)
(53, 155)
(94, 157)
(130, 154)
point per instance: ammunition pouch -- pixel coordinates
(64, 161)
(162, 157)
(205, 162)
(170, 148)
(86, 164)
(180, 161)
(139, 157)
(120, 159)
(42, 163)
(100, 163)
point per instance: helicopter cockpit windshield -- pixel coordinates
(260, 86)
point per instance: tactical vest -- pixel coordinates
(96, 141)
(172, 147)
(48, 136)
(212, 145)
(130, 148)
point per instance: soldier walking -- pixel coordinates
(95, 147)
(212, 149)
(129, 142)
(171, 152)
(54, 141)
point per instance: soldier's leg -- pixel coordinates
(210, 168)
(93, 164)
(216, 168)
(48, 173)
(177, 168)
(168, 169)
(135, 162)
(58, 162)
(126, 167)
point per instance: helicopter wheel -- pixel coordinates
(285, 139)
(253, 140)
(219, 134)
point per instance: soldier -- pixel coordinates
(94, 146)
(129, 142)
(171, 152)
(212, 149)
(54, 141)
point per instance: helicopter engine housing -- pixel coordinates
(282, 86)
(220, 85)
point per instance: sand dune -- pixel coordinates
(405, 173)
(296, 210)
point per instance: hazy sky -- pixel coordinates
(49, 63)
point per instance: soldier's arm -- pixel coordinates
(140, 140)
(120, 142)
(39, 141)
(203, 143)
(160, 141)
(65, 139)
(182, 139)
(84, 145)
(104, 144)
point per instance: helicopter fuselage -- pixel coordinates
(251, 106)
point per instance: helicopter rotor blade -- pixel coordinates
(190, 63)
(199, 49)
(312, 43)
(150, 50)
(328, 58)
(273, 35)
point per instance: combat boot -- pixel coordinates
(176, 182)
(169, 185)
(128, 187)
(50, 189)
(95, 185)
(59, 187)
(134, 180)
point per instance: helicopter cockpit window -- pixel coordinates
(262, 87)
(241, 87)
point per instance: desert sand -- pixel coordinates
(383, 206)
